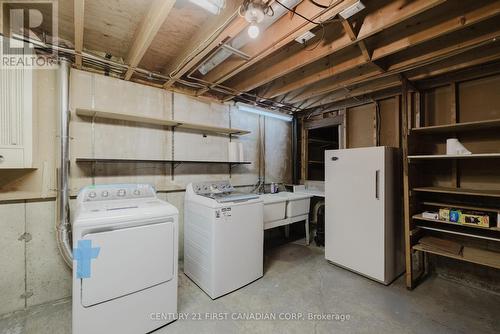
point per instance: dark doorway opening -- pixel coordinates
(320, 140)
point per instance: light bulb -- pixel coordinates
(253, 31)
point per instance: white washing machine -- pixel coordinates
(125, 255)
(223, 237)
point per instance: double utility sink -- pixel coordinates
(285, 208)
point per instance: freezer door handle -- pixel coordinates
(335, 158)
(377, 177)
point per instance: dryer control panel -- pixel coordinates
(213, 187)
(107, 192)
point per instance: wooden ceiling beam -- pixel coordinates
(363, 89)
(453, 24)
(279, 65)
(79, 18)
(401, 66)
(349, 30)
(282, 32)
(484, 56)
(152, 22)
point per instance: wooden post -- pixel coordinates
(376, 124)
(455, 174)
(304, 137)
(406, 186)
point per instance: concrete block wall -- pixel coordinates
(32, 271)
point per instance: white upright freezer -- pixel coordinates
(363, 231)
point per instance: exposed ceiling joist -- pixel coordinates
(455, 23)
(349, 30)
(282, 32)
(458, 75)
(333, 71)
(278, 66)
(352, 35)
(150, 25)
(79, 18)
(461, 61)
(470, 70)
(401, 66)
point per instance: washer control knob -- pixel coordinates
(121, 192)
(104, 194)
(137, 192)
(92, 194)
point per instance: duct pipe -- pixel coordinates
(63, 228)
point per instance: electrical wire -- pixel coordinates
(297, 13)
(319, 5)
(306, 18)
(323, 33)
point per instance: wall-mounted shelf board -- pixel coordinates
(158, 121)
(453, 156)
(321, 141)
(469, 235)
(469, 254)
(421, 218)
(112, 160)
(459, 191)
(461, 206)
(458, 127)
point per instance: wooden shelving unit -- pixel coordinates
(420, 217)
(423, 188)
(469, 254)
(458, 191)
(457, 127)
(412, 158)
(462, 206)
(158, 121)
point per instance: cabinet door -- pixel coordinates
(16, 118)
(354, 222)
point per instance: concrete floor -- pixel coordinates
(298, 279)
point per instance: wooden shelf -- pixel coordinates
(459, 191)
(420, 217)
(461, 206)
(106, 160)
(321, 141)
(454, 156)
(158, 121)
(468, 254)
(459, 127)
(316, 162)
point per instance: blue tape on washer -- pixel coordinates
(83, 256)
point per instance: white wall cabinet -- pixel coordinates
(17, 118)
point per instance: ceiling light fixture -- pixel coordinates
(211, 6)
(254, 12)
(263, 112)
